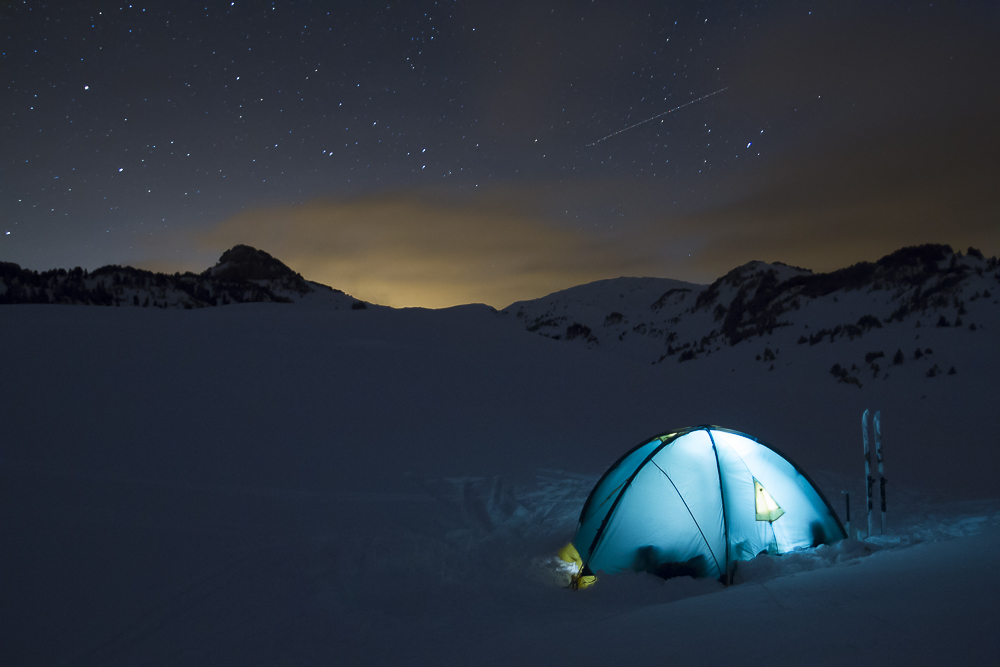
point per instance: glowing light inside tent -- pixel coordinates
(767, 509)
(696, 503)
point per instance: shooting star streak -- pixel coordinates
(643, 122)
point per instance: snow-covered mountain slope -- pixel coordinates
(275, 484)
(242, 275)
(607, 310)
(882, 316)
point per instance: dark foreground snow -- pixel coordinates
(272, 485)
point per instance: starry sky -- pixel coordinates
(434, 153)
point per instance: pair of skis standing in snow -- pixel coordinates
(869, 480)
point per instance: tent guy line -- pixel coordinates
(643, 122)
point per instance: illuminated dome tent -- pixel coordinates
(693, 502)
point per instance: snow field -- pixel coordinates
(265, 484)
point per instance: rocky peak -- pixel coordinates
(242, 262)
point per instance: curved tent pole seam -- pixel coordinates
(737, 455)
(604, 522)
(752, 476)
(607, 517)
(673, 436)
(613, 492)
(794, 465)
(722, 496)
(698, 525)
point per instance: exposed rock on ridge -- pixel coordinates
(242, 263)
(773, 307)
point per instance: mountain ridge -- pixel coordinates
(783, 307)
(773, 312)
(243, 274)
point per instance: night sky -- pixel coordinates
(434, 153)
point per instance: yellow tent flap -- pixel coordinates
(570, 555)
(767, 509)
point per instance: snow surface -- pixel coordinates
(275, 484)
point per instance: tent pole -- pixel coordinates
(722, 496)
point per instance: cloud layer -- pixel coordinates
(410, 250)
(823, 208)
(859, 196)
(826, 204)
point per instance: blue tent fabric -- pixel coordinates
(689, 502)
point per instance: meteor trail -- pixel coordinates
(641, 122)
